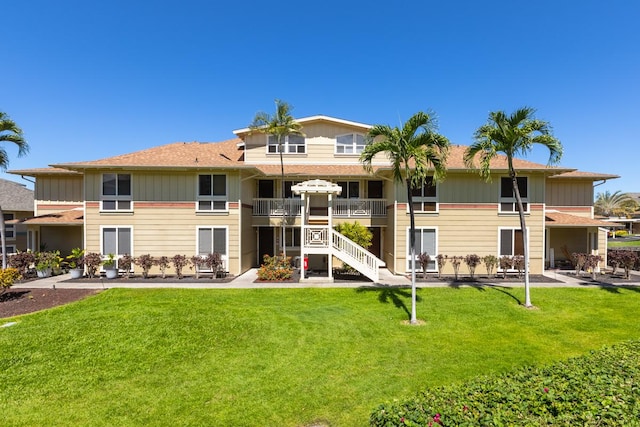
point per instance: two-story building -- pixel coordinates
(227, 197)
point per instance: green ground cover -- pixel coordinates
(622, 244)
(270, 357)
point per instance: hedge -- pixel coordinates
(599, 389)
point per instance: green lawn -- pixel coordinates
(271, 357)
(622, 243)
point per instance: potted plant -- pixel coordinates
(44, 263)
(76, 263)
(109, 265)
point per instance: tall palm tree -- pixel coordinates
(512, 135)
(413, 150)
(9, 132)
(618, 204)
(280, 125)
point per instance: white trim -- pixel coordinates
(512, 200)
(224, 257)
(118, 256)
(514, 228)
(286, 146)
(354, 144)
(427, 200)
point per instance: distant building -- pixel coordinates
(16, 201)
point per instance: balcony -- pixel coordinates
(343, 208)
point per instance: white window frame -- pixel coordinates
(499, 242)
(422, 200)
(224, 257)
(9, 229)
(212, 199)
(433, 261)
(117, 227)
(11, 249)
(354, 149)
(288, 148)
(347, 194)
(118, 199)
(511, 201)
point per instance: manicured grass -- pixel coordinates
(271, 357)
(623, 243)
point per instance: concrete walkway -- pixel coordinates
(247, 281)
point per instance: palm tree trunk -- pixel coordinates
(3, 239)
(412, 245)
(283, 244)
(525, 239)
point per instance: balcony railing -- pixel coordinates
(274, 207)
(359, 207)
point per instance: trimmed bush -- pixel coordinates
(275, 268)
(8, 276)
(599, 389)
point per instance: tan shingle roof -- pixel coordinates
(70, 217)
(179, 154)
(558, 219)
(456, 161)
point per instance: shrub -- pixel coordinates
(442, 261)
(196, 263)
(506, 263)
(213, 261)
(145, 261)
(8, 276)
(124, 263)
(163, 263)
(596, 389)
(455, 262)
(592, 263)
(92, 260)
(76, 258)
(472, 262)
(621, 233)
(518, 264)
(490, 262)
(628, 260)
(578, 260)
(179, 262)
(424, 259)
(275, 268)
(22, 261)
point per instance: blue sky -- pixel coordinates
(87, 80)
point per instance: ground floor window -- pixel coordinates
(426, 242)
(9, 228)
(117, 241)
(292, 237)
(511, 242)
(213, 239)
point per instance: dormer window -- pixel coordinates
(350, 143)
(291, 144)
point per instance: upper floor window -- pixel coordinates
(425, 198)
(351, 143)
(507, 197)
(116, 192)
(212, 192)
(291, 144)
(9, 230)
(350, 189)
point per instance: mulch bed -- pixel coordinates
(606, 278)
(205, 278)
(16, 302)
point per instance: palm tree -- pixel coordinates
(280, 125)
(413, 151)
(618, 204)
(512, 135)
(9, 132)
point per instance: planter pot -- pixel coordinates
(76, 273)
(111, 273)
(44, 273)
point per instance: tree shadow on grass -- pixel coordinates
(613, 288)
(394, 294)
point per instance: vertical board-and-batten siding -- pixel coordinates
(53, 188)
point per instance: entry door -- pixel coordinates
(265, 243)
(265, 189)
(375, 247)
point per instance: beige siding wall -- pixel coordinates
(471, 230)
(61, 238)
(320, 147)
(165, 230)
(569, 192)
(166, 187)
(59, 189)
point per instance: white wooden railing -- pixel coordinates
(273, 207)
(359, 207)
